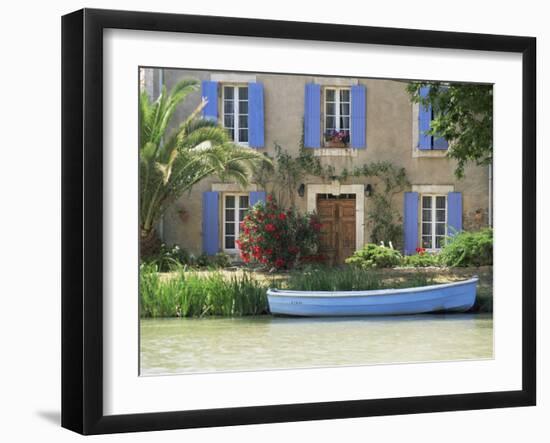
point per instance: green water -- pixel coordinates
(175, 346)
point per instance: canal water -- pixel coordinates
(176, 346)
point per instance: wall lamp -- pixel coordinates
(368, 190)
(302, 190)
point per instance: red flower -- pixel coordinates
(268, 251)
(270, 227)
(282, 216)
(279, 262)
(421, 251)
(269, 198)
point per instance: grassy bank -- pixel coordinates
(236, 293)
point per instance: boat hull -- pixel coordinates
(450, 297)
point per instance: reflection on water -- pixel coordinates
(174, 346)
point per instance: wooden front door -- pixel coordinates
(337, 214)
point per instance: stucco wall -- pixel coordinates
(392, 135)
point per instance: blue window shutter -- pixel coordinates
(210, 222)
(424, 120)
(209, 90)
(410, 222)
(454, 213)
(312, 116)
(358, 117)
(255, 197)
(441, 143)
(256, 115)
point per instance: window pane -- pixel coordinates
(426, 202)
(344, 108)
(230, 228)
(440, 202)
(243, 93)
(243, 121)
(228, 106)
(243, 135)
(427, 242)
(242, 213)
(331, 123)
(331, 108)
(426, 215)
(243, 107)
(228, 121)
(439, 242)
(229, 201)
(229, 242)
(440, 215)
(330, 95)
(230, 215)
(243, 201)
(228, 92)
(440, 228)
(231, 133)
(426, 229)
(344, 122)
(344, 95)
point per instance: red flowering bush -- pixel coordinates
(276, 237)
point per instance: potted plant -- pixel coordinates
(336, 139)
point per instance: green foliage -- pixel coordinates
(421, 260)
(468, 249)
(197, 149)
(193, 294)
(282, 176)
(170, 258)
(463, 115)
(275, 237)
(374, 256)
(327, 279)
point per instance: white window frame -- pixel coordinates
(336, 102)
(433, 221)
(237, 220)
(236, 101)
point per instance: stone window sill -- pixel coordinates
(335, 152)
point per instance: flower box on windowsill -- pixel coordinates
(335, 144)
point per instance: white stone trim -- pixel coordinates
(228, 77)
(233, 187)
(334, 152)
(336, 188)
(433, 189)
(334, 81)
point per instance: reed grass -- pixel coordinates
(198, 294)
(194, 294)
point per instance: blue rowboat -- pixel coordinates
(455, 297)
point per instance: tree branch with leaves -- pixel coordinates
(463, 115)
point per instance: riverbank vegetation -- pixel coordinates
(238, 292)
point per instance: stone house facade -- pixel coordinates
(375, 120)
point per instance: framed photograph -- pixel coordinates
(270, 221)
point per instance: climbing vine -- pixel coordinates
(283, 177)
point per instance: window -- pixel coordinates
(235, 207)
(337, 115)
(235, 112)
(434, 221)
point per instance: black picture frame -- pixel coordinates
(82, 219)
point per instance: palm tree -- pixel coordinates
(197, 149)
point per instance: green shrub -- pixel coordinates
(468, 249)
(276, 237)
(421, 260)
(374, 256)
(170, 258)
